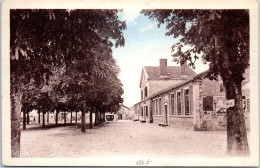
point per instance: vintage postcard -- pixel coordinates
(130, 83)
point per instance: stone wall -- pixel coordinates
(158, 119)
(181, 121)
(220, 122)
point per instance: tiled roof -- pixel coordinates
(173, 71)
(181, 84)
(245, 81)
(124, 106)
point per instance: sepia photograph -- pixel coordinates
(141, 83)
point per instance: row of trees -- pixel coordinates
(67, 117)
(61, 60)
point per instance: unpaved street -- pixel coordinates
(124, 138)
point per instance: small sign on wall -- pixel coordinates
(220, 103)
(230, 103)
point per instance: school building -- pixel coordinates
(177, 96)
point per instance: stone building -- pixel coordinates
(123, 113)
(157, 78)
(195, 102)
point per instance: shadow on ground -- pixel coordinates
(50, 126)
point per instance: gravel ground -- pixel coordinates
(122, 138)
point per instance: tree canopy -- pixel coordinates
(220, 36)
(62, 59)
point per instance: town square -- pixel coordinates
(140, 85)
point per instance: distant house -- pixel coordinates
(157, 78)
(194, 101)
(132, 113)
(123, 113)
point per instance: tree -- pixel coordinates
(29, 53)
(87, 74)
(222, 39)
(29, 101)
(107, 91)
(43, 39)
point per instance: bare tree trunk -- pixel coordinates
(90, 119)
(39, 117)
(24, 120)
(76, 117)
(43, 118)
(28, 117)
(71, 117)
(48, 117)
(83, 121)
(99, 117)
(236, 129)
(56, 118)
(65, 117)
(104, 116)
(16, 105)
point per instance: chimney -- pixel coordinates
(163, 67)
(184, 67)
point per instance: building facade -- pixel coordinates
(155, 79)
(195, 102)
(123, 113)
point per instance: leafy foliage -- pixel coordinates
(220, 36)
(77, 40)
(62, 59)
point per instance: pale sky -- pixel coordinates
(145, 44)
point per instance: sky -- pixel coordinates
(145, 44)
